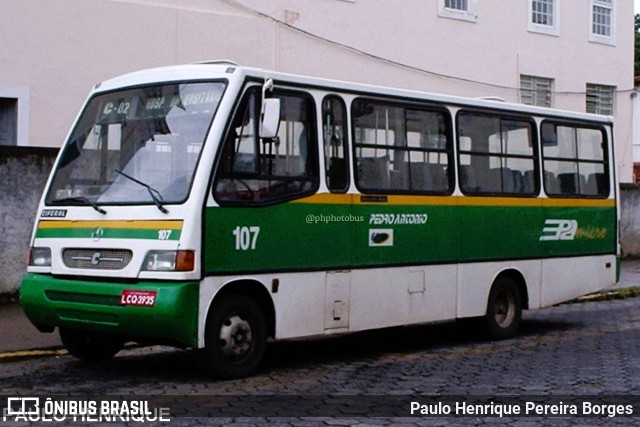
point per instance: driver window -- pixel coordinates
(253, 170)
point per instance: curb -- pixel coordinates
(616, 294)
(20, 355)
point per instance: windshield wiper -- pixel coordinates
(82, 199)
(155, 194)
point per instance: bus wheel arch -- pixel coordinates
(506, 300)
(521, 283)
(254, 290)
(240, 319)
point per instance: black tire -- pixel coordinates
(235, 338)
(504, 309)
(90, 346)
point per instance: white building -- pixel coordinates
(570, 54)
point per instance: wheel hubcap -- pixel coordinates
(504, 309)
(235, 337)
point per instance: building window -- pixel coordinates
(456, 4)
(543, 17)
(600, 99)
(602, 21)
(8, 121)
(536, 90)
(464, 10)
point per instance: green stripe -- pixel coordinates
(286, 241)
(107, 233)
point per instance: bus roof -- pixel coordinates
(231, 71)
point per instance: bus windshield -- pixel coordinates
(136, 146)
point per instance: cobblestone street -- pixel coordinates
(586, 349)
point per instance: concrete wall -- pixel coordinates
(23, 175)
(630, 220)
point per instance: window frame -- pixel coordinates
(551, 30)
(469, 15)
(535, 157)
(534, 91)
(406, 105)
(345, 143)
(240, 106)
(608, 39)
(19, 95)
(595, 90)
(577, 160)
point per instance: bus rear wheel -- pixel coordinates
(235, 338)
(90, 346)
(504, 309)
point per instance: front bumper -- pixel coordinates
(95, 305)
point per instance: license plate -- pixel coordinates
(138, 298)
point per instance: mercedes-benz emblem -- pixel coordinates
(97, 234)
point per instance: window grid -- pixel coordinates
(456, 4)
(602, 21)
(600, 99)
(536, 90)
(542, 12)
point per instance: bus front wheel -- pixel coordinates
(235, 338)
(90, 346)
(504, 309)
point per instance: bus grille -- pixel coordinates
(97, 259)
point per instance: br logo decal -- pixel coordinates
(559, 229)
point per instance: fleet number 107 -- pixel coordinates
(246, 237)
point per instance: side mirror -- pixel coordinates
(270, 121)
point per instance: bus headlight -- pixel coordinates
(40, 257)
(169, 261)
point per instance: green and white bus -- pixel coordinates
(215, 207)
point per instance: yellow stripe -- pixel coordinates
(329, 199)
(405, 200)
(579, 203)
(152, 225)
(24, 354)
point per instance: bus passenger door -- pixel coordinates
(336, 168)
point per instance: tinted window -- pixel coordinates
(497, 155)
(575, 161)
(401, 148)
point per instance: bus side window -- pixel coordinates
(259, 171)
(575, 161)
(401, 148)
(497, 154)
(334, 123)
